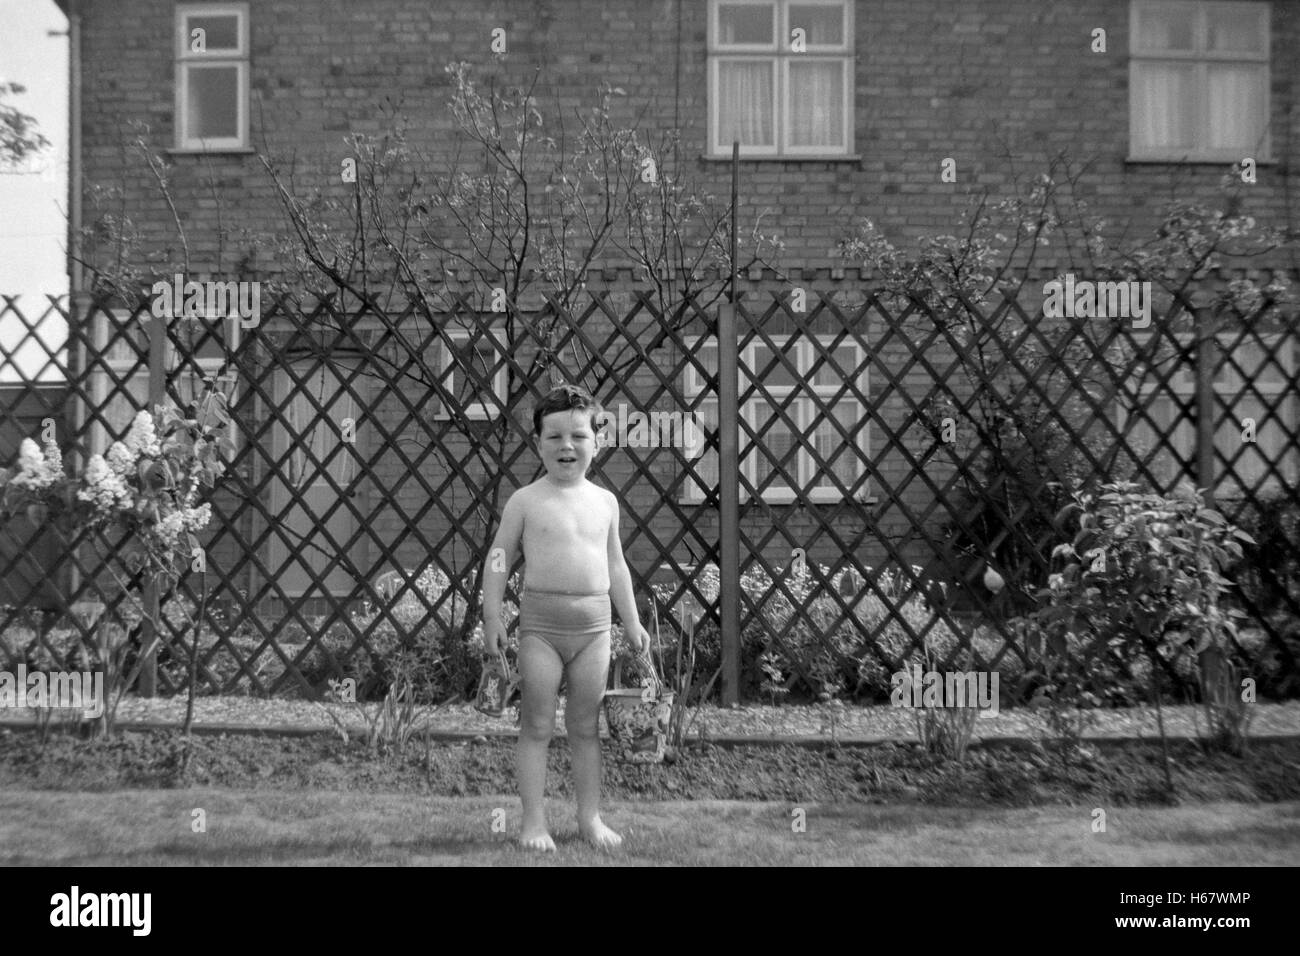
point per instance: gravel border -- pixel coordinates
(746, 724)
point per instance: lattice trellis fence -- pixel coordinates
(904, 448)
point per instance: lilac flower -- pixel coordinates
(141, 438)
(103, 488)
(35, 471)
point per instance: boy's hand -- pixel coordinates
(639, 638)
(494, 636)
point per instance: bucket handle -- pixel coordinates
(507, 672)
(651, 690)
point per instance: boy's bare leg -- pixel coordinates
(540, 669)
(587, 673)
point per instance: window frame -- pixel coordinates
(778, 55)
(1181, 386)
(415, 331)
(1201, 59)
(185, 61)
(447, 372)
(803, 356)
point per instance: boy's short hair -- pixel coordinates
(565, 398)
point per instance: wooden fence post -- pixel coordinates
(728, 465)
(729, 510)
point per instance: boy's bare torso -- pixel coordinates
(566, 537)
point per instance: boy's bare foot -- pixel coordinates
(599, 835)
(536, 838)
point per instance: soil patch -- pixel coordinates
(996, 774)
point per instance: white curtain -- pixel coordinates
(706, 464)
(745, 103)
(816, 103)
(213, 102)
(829, 440)
(775, 443)
(1236, 105)
(1164, 102)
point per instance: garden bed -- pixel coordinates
(854, 723)
(1108, 773)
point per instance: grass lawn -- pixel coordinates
(153, 827)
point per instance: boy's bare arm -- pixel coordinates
(501, 556)
(620, 579)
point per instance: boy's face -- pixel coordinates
(567, 444)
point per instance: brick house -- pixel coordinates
(843, 109)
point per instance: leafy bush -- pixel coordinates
(1143, 577)
(1143, 570)
(1268, 576)
(1037, 479)
(1268, 573)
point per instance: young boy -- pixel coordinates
(573, 565)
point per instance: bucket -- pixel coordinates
(639, 717)
(496, 686)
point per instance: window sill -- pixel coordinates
(225, 150)
(1194, 160)
(748, 499)
(839, 158)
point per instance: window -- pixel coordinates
(1198, 81)
(817, 480)
(478, 343)
(123, 344)
(1258, 386)
(485, 357)
(212, 76)
(778, 92)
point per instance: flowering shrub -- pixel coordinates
(142, 496)
(146, 486)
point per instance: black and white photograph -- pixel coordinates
(626, 433)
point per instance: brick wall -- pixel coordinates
(995, 84)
